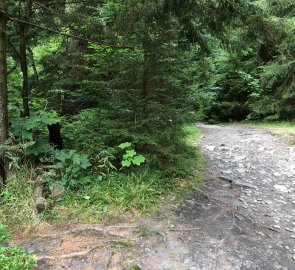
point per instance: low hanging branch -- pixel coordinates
(67, 35)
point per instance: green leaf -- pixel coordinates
(48, 120)
(84, 162)
(85, 180)
(138, 160)
(130, 153)
(126, 163)
(32, 123)
(60, 156)
(125, 145)
(77, 159)
(27, 135)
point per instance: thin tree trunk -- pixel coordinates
(34, 64)
(3, 92)
(23, 29)
(24, 68)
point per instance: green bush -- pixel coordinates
(71, 169)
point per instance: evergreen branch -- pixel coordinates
(66, 35)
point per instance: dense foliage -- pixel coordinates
(249, 76)
(128, 79)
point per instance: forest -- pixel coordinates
(99, 98)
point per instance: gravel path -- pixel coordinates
(243, 217)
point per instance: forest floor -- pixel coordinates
(242, 217)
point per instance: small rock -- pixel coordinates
(241, 170)
(292, 236)
(287, 247)
(277, 226)
(282, 202)
(227, 172)
(239, 158)
(210, 147)
(277, 174)
(268, 202)
(281, 188)
(293, 257)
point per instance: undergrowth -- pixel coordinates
(141, 190)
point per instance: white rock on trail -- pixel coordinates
(281, 188)
(210, 147)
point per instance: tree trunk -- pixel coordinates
(3, 92)
(55, 138)
(23, 29)
(24, 68)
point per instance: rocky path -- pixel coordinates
(243, 217)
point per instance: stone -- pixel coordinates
(281, 188)
(210, 147)
(239, 158)
(277, 226)
(241, 170)
(277, 174)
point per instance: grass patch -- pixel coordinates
(17, 202)
(140, 191)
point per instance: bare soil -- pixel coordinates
(242, 217)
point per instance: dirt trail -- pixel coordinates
(243, 217)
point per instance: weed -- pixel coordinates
(17, 200)
(121, 244)
(12, 257)
(143, 231)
